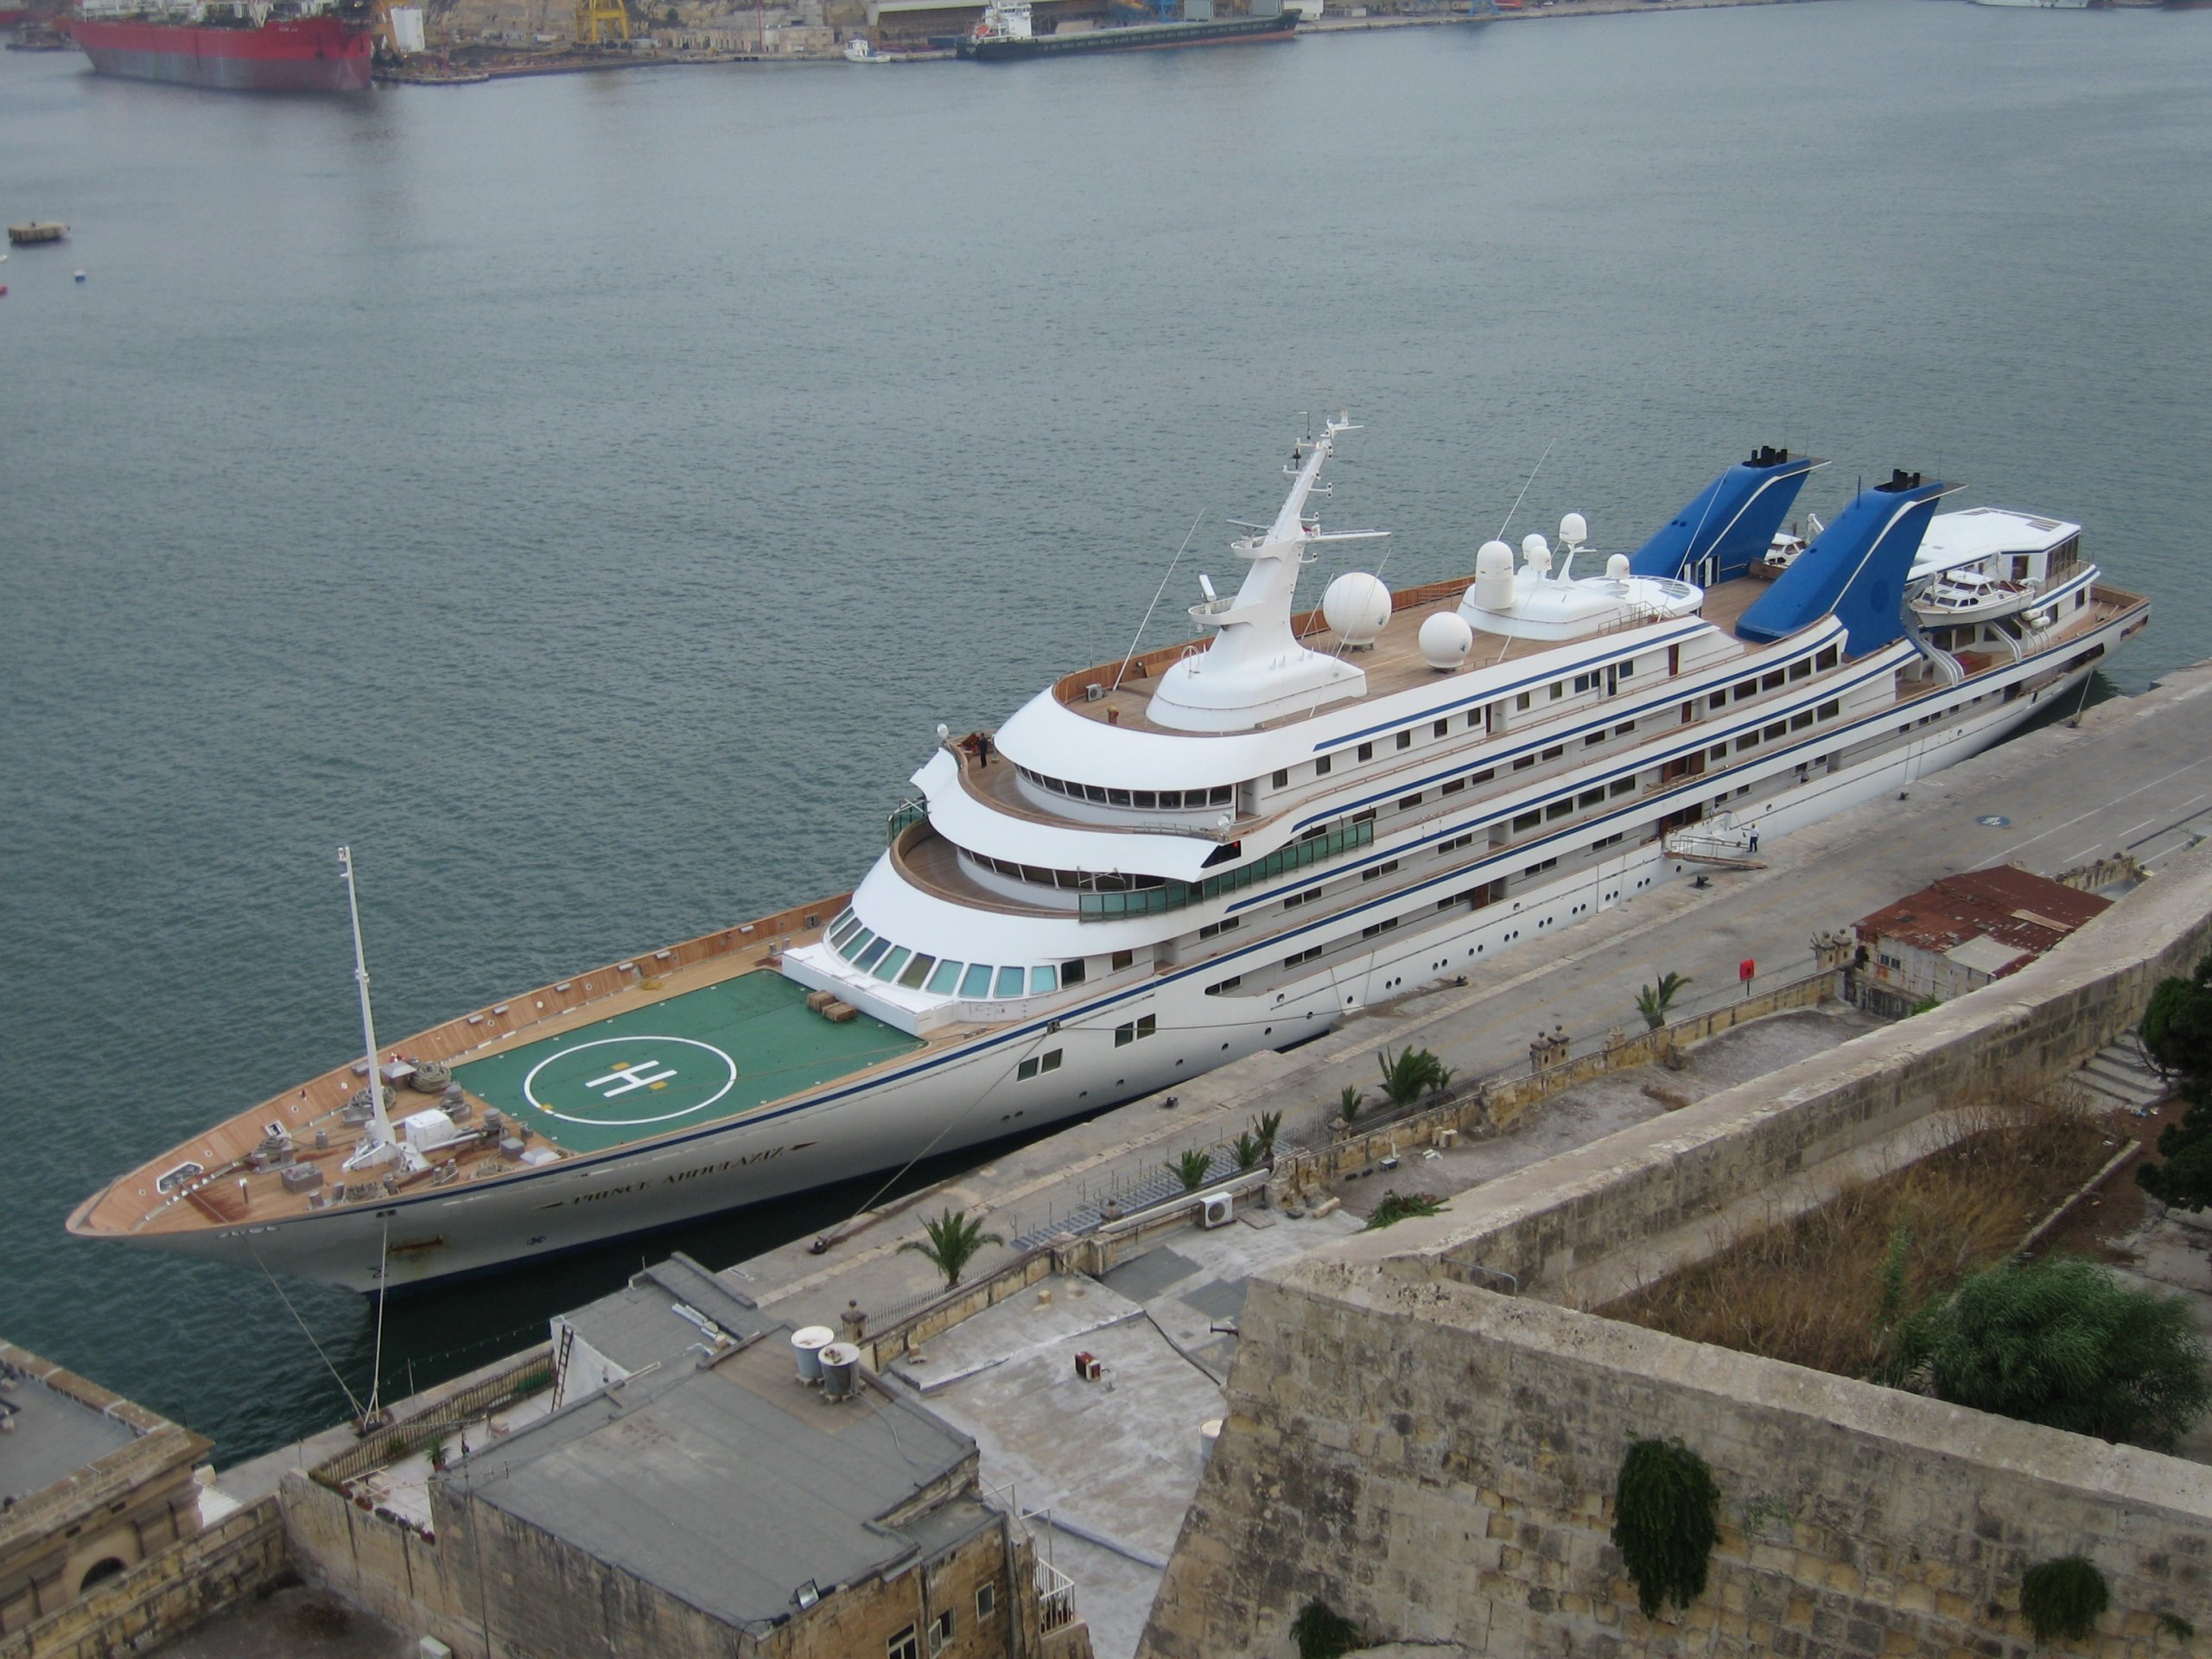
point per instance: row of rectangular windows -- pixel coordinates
(897, 965)
(1146, 800)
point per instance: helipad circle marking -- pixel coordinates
(639, 1044)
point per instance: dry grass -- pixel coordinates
(1811, 1290)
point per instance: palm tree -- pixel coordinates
(954, 1242)
(1653, 1004)
(1348, 1103)
(1264, 1129)
(1410, 1074)
(1191, 1168)
(1248, 1150)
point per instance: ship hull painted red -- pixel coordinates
(299, 54)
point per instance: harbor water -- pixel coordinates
(585, 496)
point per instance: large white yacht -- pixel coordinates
(1158, 864)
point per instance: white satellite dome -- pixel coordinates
(1574, 530)
(1357, 606)
(1445, 639)
(1493, 588)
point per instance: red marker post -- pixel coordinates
(1744, 970)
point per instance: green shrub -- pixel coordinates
(1323, 1633)
(1665, 1522)
(2063, 1598)
(2064, 1343)
(1191, 1168)
(1411, 1073)
(2177, 1627)
(1395, 1208)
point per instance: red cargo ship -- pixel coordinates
(237, 48)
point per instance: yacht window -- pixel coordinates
(1170, 800)
(1801, 669)
(1030, 873)
(1227, 924)
(1094, 794)
(1524, 762)
(1117, 797)
(1383, 868)
(1591, 797)
(916, 971)
(1441, 728)
(1554, 752)
(1585, 682)
(867, 958)
(889, 967)
(1223, 795)
(1627, 668)
(1748, 689)
(977, 981)
(945, 979)
(1367, 750)
(1593, 739)
(1624, 730)
(1222, 987)
(1624, 786)
(1826, 659)
(1771, 682)
(1009, 983)
(1144, 798)
(1780, 729)
(1718, 752)
(1748, 740)
(1484, 776)
(854, 946)
(1454, 787)
(1799, 722)
(1405, 739)
(845, 928)
(1521, 703)
(1120, 960)
(1474, 719)
(1281, 780)
(1718, 699)
(1044, 978)
(1407, 803)
(1306, 954)
(1321, 766)
(1367, 816)
(1829, 709)
(1071, 972)
(1559, 809)
(1559, 689)
(1528, 820)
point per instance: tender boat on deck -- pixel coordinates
(1163, 863)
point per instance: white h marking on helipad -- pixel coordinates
(639, 1076)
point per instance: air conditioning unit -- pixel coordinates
(1094, 692)
(1088, 1368)
(1218, 1209)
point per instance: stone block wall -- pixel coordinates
(1438, 1463)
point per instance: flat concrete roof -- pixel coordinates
(728, 1485)
(638, 1325)
(51, 1436)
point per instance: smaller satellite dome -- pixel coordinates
(1536, 548)
(1574, 530)
(1357, 606)
(1445, 639)
(1617, 567)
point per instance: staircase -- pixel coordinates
(2117, 1075)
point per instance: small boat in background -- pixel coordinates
(37, 231)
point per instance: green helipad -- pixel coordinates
(699, 1057)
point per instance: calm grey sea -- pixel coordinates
(585, 496)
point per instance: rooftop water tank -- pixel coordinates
(841, 1367)
(807, 1344)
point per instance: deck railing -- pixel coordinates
(1151, 901)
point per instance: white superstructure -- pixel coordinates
(1155, 866)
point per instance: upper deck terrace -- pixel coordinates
(1393, 663)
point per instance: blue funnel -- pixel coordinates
(1730, 521)
(1855, 572)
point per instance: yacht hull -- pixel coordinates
(961, 1097)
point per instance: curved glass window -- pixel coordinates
(842, 928)
(1009, 982)
(943, 981)
(852, 947)
(889, 967)
(1044, 978)
(977, 981)
(867, 958)
(916, 970)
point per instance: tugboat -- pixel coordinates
(1007, 30)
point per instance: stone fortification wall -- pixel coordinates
(1538, 1222)
(1437, 1460)
(165, 1593)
